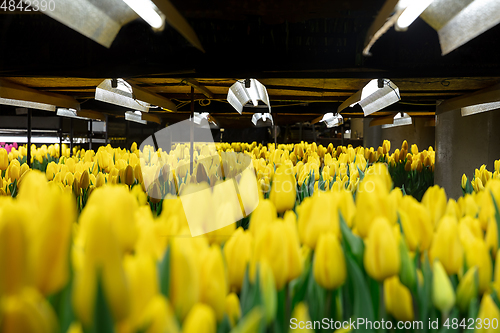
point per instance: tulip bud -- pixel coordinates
(443, 296)
(237, 252)
(129, 175)
(84, 180)
(435, 201)
(158, 316)
(233, 309)
(467, 289)
(446, 245)
(14, 170)
(398, 300)
(408, 273)
(292, 245)
(27, 311)
(283, 189)
(264, 214)
(488, 311)
(477, 254)
(185, 276)
(271, 246)
(213, 284)
(381, 257)
(329, 263)
(301, 314)
(4, 159)
(201, 319)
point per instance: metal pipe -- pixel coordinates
(342, 136)
(314, 133)
(71, 137)
(60, 136)
(191, 136)
(28, 157)
(90, 134)
(106, 132)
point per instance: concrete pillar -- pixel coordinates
(464, 144)
(419, 133)
(372, 136)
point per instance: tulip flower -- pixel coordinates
(158, 317)
(283, 189)
(381, 257)
(13, 247)
(237, 253)
(102, 260)
(4, 159)
(291, 236)
(271, 246)
(435, 201)
(201, 319)
(14, 170)
(398, 300)
(417, 224)
(488, 311)
(477, 254)
(27, 311)
(213, 284)
(233, 308)
(262, 215)
(467, 289)
(301, 314)
(446, 245)
(268, 290)
(329, 263)
(317, 215)
(443, 295)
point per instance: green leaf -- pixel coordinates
(362, 300)
(425, 291)
(353, 243)
(299, 285)
(497, 214)
(103, 320)
(224, 326)
(164, 273)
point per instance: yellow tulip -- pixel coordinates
(213, 284)
(417, 224)
(467, 289)
(381, 257)
(263, 215)
(268, 290)
(27, 311)
(237, 252)
(292, 245)
(102, 259)
(271, 246)
(398, 300)
(4, 159)
(329, 263)
(185, 276)
(446, 245)
(435, 201)
(477, 254)
(201, 319)
(158, 317)
(487, 312)
(372, 201)
(233, 309)
(464, 181)
(443, 295)
(316, 215)
(300, 314)
(13, 247)
(283, 189)
(143, 282)
(14, 170)
(414, 149)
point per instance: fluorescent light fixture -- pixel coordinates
(262, 119)
(332, 120)
(410, 14)
(239, 95)
(148, 11)
(204, 118)
(26, 104)
(474, 109)
(458, 22)
(135, 116)
(70, 113)
(401, 119)
(129, 95)
(34, 139)
(372, 98)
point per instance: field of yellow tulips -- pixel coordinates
(480, 179)
(83, 248)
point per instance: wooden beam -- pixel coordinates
(195, 84)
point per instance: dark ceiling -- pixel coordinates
(308, 53)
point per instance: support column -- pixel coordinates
(464, 144)
(90, 134)
(191, 132)
(71, 137)
(60, 136)
(28, 155)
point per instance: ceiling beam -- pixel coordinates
(488, 95)
(195, 84)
